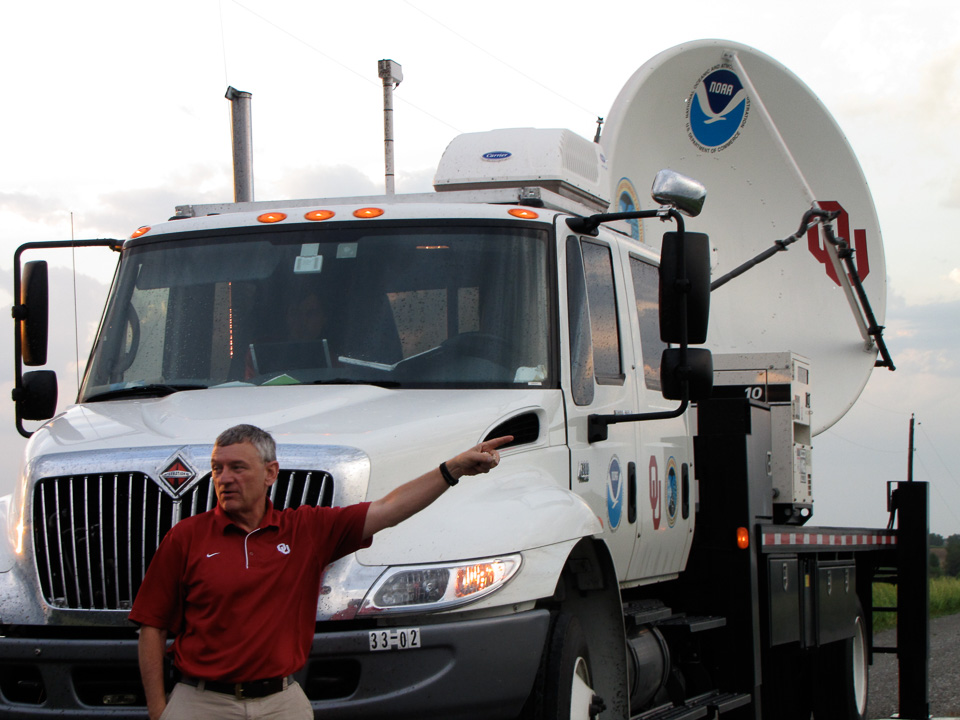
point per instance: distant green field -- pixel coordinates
(944, 600)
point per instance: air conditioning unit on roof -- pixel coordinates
(554, 159)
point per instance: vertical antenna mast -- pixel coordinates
(392, 75)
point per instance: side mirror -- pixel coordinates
(33, 313)
(36, 398)
(698, 372)
(685, 194)
(696, 261)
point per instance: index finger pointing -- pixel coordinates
(488, 445)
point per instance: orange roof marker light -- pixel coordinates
(272, 217)
(140, 232)
(319, 215)
(368, 212)
(743, 538)
(523, 213)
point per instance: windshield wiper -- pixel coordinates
(148, 390)
(351, 381)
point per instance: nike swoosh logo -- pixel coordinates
(212, 554)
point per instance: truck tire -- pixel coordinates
(564, 687)
(842, 677)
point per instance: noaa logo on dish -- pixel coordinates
(496, 156)
(614, 493)
(672, 494)
(717, 109)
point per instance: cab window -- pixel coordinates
(602, 299)
(646, 283)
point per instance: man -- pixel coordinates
(239, 585)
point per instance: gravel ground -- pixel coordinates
(944, 672)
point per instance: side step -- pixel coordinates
(692, 623)
(709, 705)
(654, 612)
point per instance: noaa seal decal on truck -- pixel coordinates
(614, 493)
(717, 109)
(672, 494)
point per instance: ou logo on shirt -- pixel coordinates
(284, 548)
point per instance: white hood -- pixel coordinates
(402, 434)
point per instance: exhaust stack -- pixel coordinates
(242, 144)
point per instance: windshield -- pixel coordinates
(398, 306)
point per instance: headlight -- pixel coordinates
(438, 587)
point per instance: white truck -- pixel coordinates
(641, 552)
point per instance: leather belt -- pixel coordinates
(242, 690)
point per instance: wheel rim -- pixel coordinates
(860, 667)
(581, 691)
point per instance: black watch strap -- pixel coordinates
(445, 471)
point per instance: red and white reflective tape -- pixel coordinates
(828, 539)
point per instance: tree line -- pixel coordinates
(951, 565)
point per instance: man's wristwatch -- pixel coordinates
(445, 471)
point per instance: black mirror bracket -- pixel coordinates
(597, 424)
(588, 225)
(35, 393)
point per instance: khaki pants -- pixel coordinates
(189, 703)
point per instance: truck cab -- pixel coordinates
(372, 339)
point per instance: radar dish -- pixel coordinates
(766, 148)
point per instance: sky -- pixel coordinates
(114, 113)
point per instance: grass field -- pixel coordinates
(944, 600)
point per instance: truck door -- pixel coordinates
(665, 484)
(597, 362)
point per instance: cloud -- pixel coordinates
(922, 339)
(320, 181)
(34, 208)
(854, 459)
(117, 214)
(954, 276)
(417, 181)
(337, 181)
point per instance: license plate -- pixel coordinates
(395, 639)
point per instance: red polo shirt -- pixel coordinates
(244, 606)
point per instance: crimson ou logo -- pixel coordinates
(858, 241)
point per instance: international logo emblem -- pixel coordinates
(717, 110)
(177, 475)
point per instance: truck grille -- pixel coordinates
(94, 535)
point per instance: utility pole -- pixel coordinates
(910, 452)
(392, 75)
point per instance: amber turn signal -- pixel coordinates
(743, 538)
